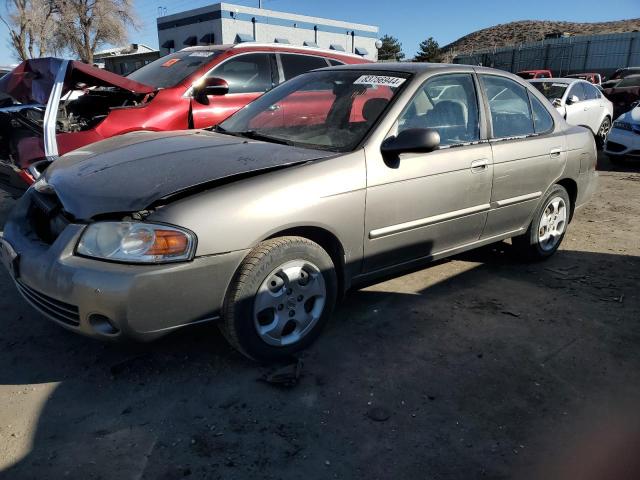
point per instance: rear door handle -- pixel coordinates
(555, 152)
(478, 166)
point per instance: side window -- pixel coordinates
(335, 63)
(542, 119)
(577, 89)
(249, 73)
(294, 65)
(591, 92)
(448, 104)
(509, 106)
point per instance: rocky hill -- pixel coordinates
(526, 31)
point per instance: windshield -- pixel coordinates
(329, 110)
(172, 69)
(526, 75)
(629, 82)
(551, 90)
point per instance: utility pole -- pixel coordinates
(259, 3)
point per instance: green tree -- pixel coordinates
(391, 49)
(428, 51)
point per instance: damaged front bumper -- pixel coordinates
(109, 300)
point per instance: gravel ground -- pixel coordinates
(476, 367)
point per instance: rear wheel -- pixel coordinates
(603, 132)
(548, 227)
(280, 298)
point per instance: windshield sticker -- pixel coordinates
(168, 63)
(201, 54)
(558, 84)
(379, 80)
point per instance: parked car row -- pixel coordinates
(327, 181)
(610, 113)
(580, 103)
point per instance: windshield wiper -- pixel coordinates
(253, 135)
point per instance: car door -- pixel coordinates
(249, 75)
(577, 113)
(596, 106)
(430, 203)
(528, 155)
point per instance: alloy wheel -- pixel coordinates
(605, 127)
(553, 223)
(289, 302)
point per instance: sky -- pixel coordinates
(411, 21)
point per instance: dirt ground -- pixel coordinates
(476, 367)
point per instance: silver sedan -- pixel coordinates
(330, 180)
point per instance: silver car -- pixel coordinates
(260, 224)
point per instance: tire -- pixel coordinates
(603, 132)
(295, 281)
(548, 227)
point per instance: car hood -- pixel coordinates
(131, 172)
(32, 81)
(632, 116)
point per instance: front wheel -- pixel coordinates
(603, 132)
(280, 298)
(547, 229)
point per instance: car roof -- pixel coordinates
(285, 47)
(558, 80)
(405, 67)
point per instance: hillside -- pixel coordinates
(526, 31)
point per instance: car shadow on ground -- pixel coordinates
(623, 165)
(477, 367)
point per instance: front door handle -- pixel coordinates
(478, 166)
(555, 152)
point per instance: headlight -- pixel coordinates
(136, 242)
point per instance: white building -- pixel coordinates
(226, 23)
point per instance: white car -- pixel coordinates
(624, 138)
(580, 103)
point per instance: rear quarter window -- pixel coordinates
(542, 119)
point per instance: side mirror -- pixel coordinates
(572, 99)
(211, 86)
(412, 140)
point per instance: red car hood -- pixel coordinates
(33, 80)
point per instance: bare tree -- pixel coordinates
(86, 25)
(32, 27)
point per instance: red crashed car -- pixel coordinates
(60, 105)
